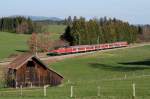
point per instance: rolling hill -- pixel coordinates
(12, 43)
(113, 72)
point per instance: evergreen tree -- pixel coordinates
(97, 31)
(17, 25)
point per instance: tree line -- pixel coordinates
(80, 31)
(19, 24)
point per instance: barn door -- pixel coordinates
(30, 73)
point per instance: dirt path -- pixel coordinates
(48, 59)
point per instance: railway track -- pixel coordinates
(58, 58)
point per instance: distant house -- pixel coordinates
(28, 70)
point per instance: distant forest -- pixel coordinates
(80, 31)
(16, 25)
(19, 24)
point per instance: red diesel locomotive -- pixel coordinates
(87, 48)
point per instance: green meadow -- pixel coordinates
(113, 72)
(11, 43)
(56, 31)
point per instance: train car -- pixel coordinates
(87, 48)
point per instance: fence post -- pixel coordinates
(71, 93)
(45, 86)
(21, 90)
(133, 91)
(31, 84)
(16, 85)
(98, 91)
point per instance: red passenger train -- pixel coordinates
(87, 48)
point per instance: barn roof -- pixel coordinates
(22, 59)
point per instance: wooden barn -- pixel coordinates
(28, 70)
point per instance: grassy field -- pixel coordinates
(11, 43)
(113, 71)
(56, 30)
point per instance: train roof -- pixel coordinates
(80, 46)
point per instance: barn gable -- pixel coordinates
(28, 70)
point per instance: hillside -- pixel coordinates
(56, 28)
(40, 18)
(12, 43)
(114, 71)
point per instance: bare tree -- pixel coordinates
(40, 42)
(33, 42)
(44, 42)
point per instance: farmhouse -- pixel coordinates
(28, 70)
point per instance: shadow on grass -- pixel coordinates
(22, 50)
(146, 62)
(121, 68)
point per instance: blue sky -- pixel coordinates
(134, 11)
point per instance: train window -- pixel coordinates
(80, 48)
(106, 45)
(74, 48)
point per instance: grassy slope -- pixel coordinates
(88, 72)
(56, 30)
(98, 69)
(10, 43)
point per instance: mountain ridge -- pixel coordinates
(39, 18)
